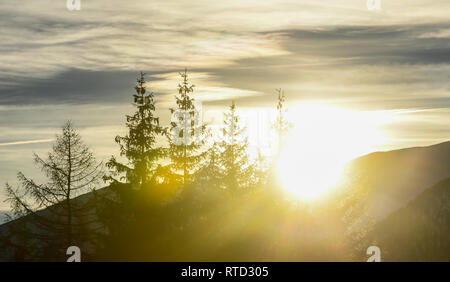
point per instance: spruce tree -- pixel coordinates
(237, 171)
(139, 145)
(209, 175)
(187, 134)
(281, 125)
(260, 167)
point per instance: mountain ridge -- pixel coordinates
(372, 173)
(394, 178)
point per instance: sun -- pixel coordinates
(305, 174)
(322, 140)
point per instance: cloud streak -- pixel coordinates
(26, 142)
(44, 39)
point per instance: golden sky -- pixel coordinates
(58, 64)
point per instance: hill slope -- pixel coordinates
(392, 179)
(210, 225)
(420, 231)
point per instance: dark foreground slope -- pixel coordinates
(28, 238)
(420, 231)
(202, 223)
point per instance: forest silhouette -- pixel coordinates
(198, 198)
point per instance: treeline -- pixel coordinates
(192, 154)
(145, 178)
(198, 198)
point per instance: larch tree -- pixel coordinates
(139, 146)
(57, 221)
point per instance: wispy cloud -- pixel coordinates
(443, 33)
(26, 142)
(41, 39)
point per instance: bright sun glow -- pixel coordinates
(322, 140)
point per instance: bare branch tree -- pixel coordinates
(56, 220)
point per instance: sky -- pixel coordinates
(58, 64)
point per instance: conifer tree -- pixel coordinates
(234, 158)
(260, 167)
(209, 175)
(57, 222)
(281, 124)
(139, 145)
(140, 171)
(187, 134)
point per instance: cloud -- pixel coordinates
(235, 50)
(443, 33)
(26, 142)
(363, 65)
(206, 88)
(43, 39)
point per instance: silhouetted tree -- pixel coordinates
(139, 145)
(237, 170)
(120, 210)
(281, 124)
(57, 222)
(187, 134)
(209, 175)
(261, 167)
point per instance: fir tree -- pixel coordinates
(209, 175)
(139, 145)
(281, 125)
(237, 171)
(187, 134)
(260, 167)
(142, 153)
